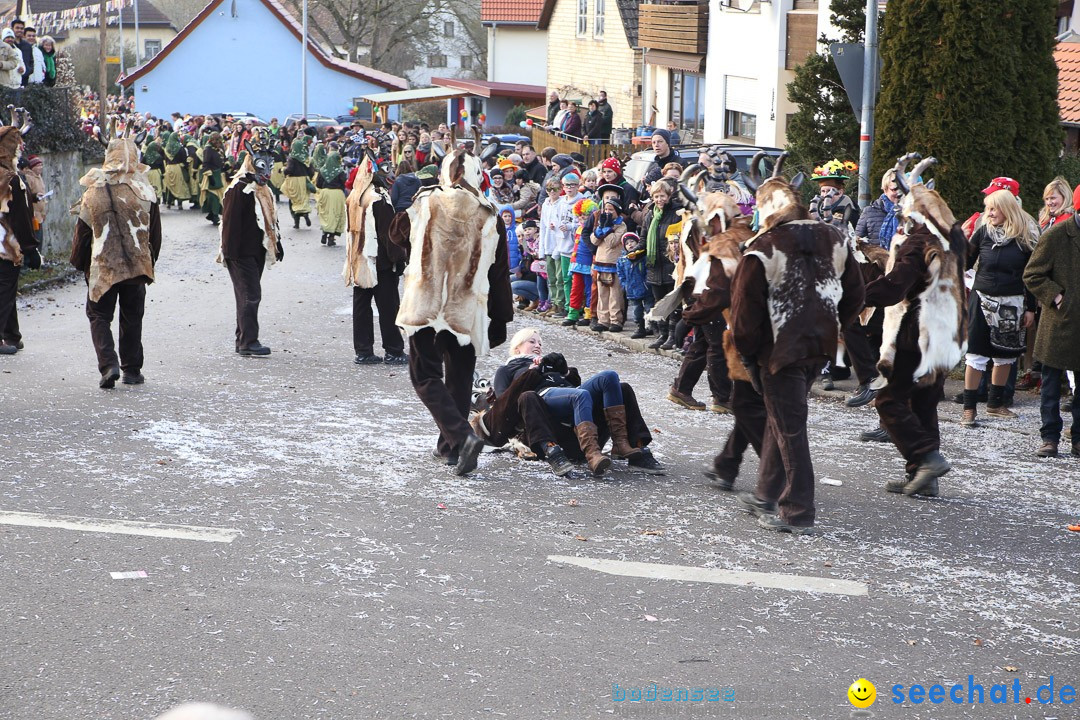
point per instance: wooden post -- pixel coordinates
(103, 20)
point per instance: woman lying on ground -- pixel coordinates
(540, 397)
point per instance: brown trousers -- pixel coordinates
(441, 371)
(909, 411)
(748, 407)
(786, 474)
(609, 301)
(131, 296)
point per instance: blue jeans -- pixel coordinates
(542, 287)
(1050, 406)
(602, 389)
(526, 289)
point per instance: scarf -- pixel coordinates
(298, 151)
(318, 158)
(997, 235)
(651, 237)
(50, 64)
(889, 224)
(331, 167)
(173, 147)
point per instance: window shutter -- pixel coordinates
(740, 94)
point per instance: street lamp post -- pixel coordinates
(303, 64)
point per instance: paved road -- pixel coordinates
(348, 592)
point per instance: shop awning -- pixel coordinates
(398, 97)
(675, 61)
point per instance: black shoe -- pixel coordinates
(639, 333)
(256, 350)
(109, 378)
(6, 349)
(614, 328)
(864, 395)
(331, 242)
(467, 454)
(307, 219)
(558, 461)
(718, 482)
(19, 345)
(898, 485)
(396, 359)
(585, 322)
(933, 466)
(368, 360)
(600, 328)
(658, 342)
(296, 222)
(669, 344)
(773, 522)
(751, 504)
(646, 461)
(827, 383)
(322, 240)
(133, 378)
(439, 457)
(878, 434)
(569, 322)
(522, 304)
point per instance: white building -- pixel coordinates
(516, 49)
(452, 51)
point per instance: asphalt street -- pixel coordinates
(336, 572)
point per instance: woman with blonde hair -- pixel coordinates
(1000, 309)
(1056, 205)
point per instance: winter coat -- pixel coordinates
(660, 272)
(1001, 269)
(1054, 268)
(527, 203)
(572, 124)
(869, 225)
(564, 216)
(608, 241)
(10, 62)
(608, 114)
(632, 276)
(594, 125)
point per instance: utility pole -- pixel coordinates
(103, 37)
(138, 49)
(869, 91)
(120, 24)
(303, 66)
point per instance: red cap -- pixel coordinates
(612, 164)
(1003, 183)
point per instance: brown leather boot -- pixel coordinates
(586, 434)
(620, 443)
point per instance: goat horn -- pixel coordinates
(779, 167)
(753, 177)
(919, 169)
(689, 194)
(690, 170)
(695, 182)
(901, 167)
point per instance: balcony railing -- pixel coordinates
(675, 26)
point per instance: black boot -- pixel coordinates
(640, 332)
(295, 221)
(677, 337)
(307, 219)
(322, 240)
(662, 329)
(330, 240)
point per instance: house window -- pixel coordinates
(740, 125)
(688, 100)
(448, 29)
(151, 48)
(598, 19)
(582, 18)
(436, 60)
(466, 62)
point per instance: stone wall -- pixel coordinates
(61, 173)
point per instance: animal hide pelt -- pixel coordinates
(9, 244)
(454, 236)
(872, 260)
(939, 311)
(119, 218)
(266, 214)
(359, 269)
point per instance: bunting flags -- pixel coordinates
(50, 23)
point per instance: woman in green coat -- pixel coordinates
(1052, 275)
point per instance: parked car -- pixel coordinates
(642, 162)
(321, 123)
(506, 140)
(244, 117)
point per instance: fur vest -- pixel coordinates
(118, 215)
(927, 313)
(453, 237)
(364, 241)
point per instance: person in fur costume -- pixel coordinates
(924, 331)
(796, 286)
(116, 244)
(373, 266)
(250, 241)
(457, 299)
(212, 189)
(18, 245)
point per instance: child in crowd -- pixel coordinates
(513, 245)
(607, 235)
(631, 271)
(589, 180)
(566, 226)
(551, 226)
(531, 284)
(581, 267)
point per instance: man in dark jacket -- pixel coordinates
(537, 170)
(250, 239)
(785, 323)
(20, 246)
(117, 242)
(553, 107)
(608, 112)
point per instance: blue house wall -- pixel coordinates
(248, 63)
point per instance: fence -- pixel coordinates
(594, 153)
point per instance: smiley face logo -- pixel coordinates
(862, 693)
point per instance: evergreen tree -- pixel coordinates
(824, 126)
(973, 83)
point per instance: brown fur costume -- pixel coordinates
(454, 236)
(940, 310)
(116, 207)
(266, 217)
(363, 246)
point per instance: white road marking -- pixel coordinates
(686, 573)
(119, 527)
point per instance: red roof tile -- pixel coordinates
(1067, 56)
(525, 12)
